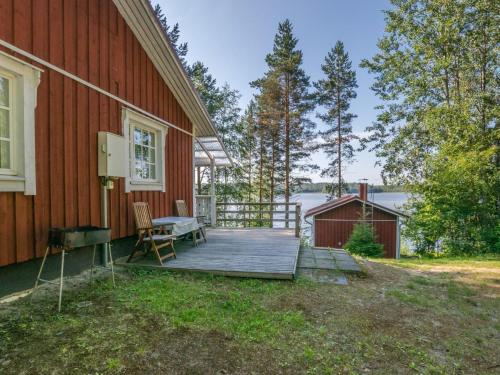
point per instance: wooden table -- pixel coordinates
(178, 226)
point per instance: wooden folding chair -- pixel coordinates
(145, 230)
(182, 210)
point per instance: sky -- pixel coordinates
(232, 38)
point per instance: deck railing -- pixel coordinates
(204, 207)
(265, 214)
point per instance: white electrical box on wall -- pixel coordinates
(111, 155)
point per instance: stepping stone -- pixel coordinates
(323, 276)
(348, 266)
(326, 264)
(322, 254)
(306, 262)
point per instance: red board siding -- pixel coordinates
(334, 227)
(90, 39)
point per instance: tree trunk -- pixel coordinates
(261, 172)
(250, 176)
(271, 176)
(339, 133)
(287, 147)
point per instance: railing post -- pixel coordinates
(287, 215)
(245, 215)
(271, 214)
(298, 217)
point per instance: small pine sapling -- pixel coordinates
(363, 241)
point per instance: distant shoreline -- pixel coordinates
(352, 188)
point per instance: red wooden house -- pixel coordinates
(333, 222)
(69, 69)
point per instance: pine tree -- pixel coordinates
(269, 114)
(206, 86)
(294, 103)
(227, 120)
(173, 33)
(335, 93)
(248, 152)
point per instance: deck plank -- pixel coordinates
(256, 252)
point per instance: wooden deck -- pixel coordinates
(256, 252)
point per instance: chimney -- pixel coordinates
(363, 191)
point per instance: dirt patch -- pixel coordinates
(187, 351)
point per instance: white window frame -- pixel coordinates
(12, 136)
(132, 120)
(24, 79)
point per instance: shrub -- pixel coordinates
(363, 241)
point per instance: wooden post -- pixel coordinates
(213, 207)
(271, 215)
(298, 218)
(287, 214)
(245, 215)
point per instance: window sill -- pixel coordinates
(10, 183)
(146, 186)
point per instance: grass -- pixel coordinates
(410, 316)
(478, 261)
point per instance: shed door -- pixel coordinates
(333, 234)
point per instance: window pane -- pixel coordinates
(152, 155)
(138, 173)
(5, 154)
(141, 170)
(138, 152)
(145, 171)
(152, 172)
(153, 136)
(4, 91)
(146, 139)
(4, 123)
(137, 136)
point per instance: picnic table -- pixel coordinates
(178, 225)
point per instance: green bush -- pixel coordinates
(363, 241)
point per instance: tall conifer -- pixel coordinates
(335, 93)
(293, 103)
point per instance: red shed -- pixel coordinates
(333, 222)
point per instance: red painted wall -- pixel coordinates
(330, 233)
(88, 38)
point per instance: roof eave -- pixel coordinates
(139, 16)
(353, 198)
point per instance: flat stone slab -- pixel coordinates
(334, 259)
(326, 266)
(323, 276)
(348, 266)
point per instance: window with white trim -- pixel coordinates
(18, 89)
(6, 133)
(145, 139)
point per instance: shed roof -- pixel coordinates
(347, 199)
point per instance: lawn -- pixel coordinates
(410, 316)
